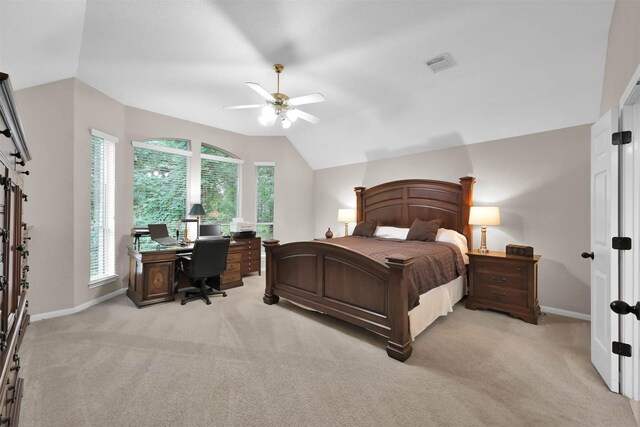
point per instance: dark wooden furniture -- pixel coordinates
(151, 272)
(506, 283)
(355, 288)
(14, 254)
(251, 258)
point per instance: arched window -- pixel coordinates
(220, 185)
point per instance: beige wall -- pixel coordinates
(540, 182)
(57, 118)
(47, 116)
(623, 52)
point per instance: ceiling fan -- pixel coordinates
(280, 106)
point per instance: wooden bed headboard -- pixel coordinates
(398, 203)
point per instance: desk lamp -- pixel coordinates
(484, 215)
(346, 216)
(198, 211)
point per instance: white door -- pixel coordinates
(604, 267)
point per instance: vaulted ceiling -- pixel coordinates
(522, 66)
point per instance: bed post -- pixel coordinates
(359, 203)
(269, 297)
(467, 201)
(399, 344)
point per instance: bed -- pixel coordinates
(360, 290)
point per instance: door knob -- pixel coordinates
(623, 308)
(586, 255)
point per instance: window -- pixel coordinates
(102, 205)
(264, 199)
(160, 182)
(220, 185)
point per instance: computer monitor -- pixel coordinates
(210, 230)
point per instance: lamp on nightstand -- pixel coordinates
(346, 216)
(483, 216)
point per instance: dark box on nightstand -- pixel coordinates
(519, 250)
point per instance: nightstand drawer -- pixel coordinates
(502, 295)
(499, 279)
(500, 267)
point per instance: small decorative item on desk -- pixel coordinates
(329, 233)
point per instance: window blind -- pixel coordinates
(220, 188)
(102, 205)
(265, 186)
(160, 183)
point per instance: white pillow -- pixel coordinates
(391, 233)
(452, 236)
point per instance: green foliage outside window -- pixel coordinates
(265, 183)
(214, 151)
(160, 185)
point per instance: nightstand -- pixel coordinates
(506, 283)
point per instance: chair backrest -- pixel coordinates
(210, 230)
(209, 257)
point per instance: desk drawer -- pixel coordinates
(232, 266)
(235, 257)
(253, 266)
(230, 276)
(502, 295)
(253, 254)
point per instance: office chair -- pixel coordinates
(205, 264)
(210, 230)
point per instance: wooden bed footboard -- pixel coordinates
(344, 284)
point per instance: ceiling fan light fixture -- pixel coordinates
(292, 115)
(286, 123)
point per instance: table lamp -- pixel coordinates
(483, 216)
(197, 210)
(346, 216)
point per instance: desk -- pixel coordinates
(152, 271)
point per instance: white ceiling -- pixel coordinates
(523, 66)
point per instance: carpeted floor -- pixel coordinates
(239, 362)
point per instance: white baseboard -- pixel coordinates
(78, 308)
(566, 313)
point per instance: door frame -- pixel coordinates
(630, 226)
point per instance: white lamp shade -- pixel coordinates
(346, 215)
(484, 215)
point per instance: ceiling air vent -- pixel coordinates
(441, 62)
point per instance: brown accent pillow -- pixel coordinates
(425, 231)
(365, 229)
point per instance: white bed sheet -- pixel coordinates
(435, 303)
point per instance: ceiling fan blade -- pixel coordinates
(262, 91)
(308, 117)
(242, 107)
(306, 99)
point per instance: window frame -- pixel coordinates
(108, 181)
